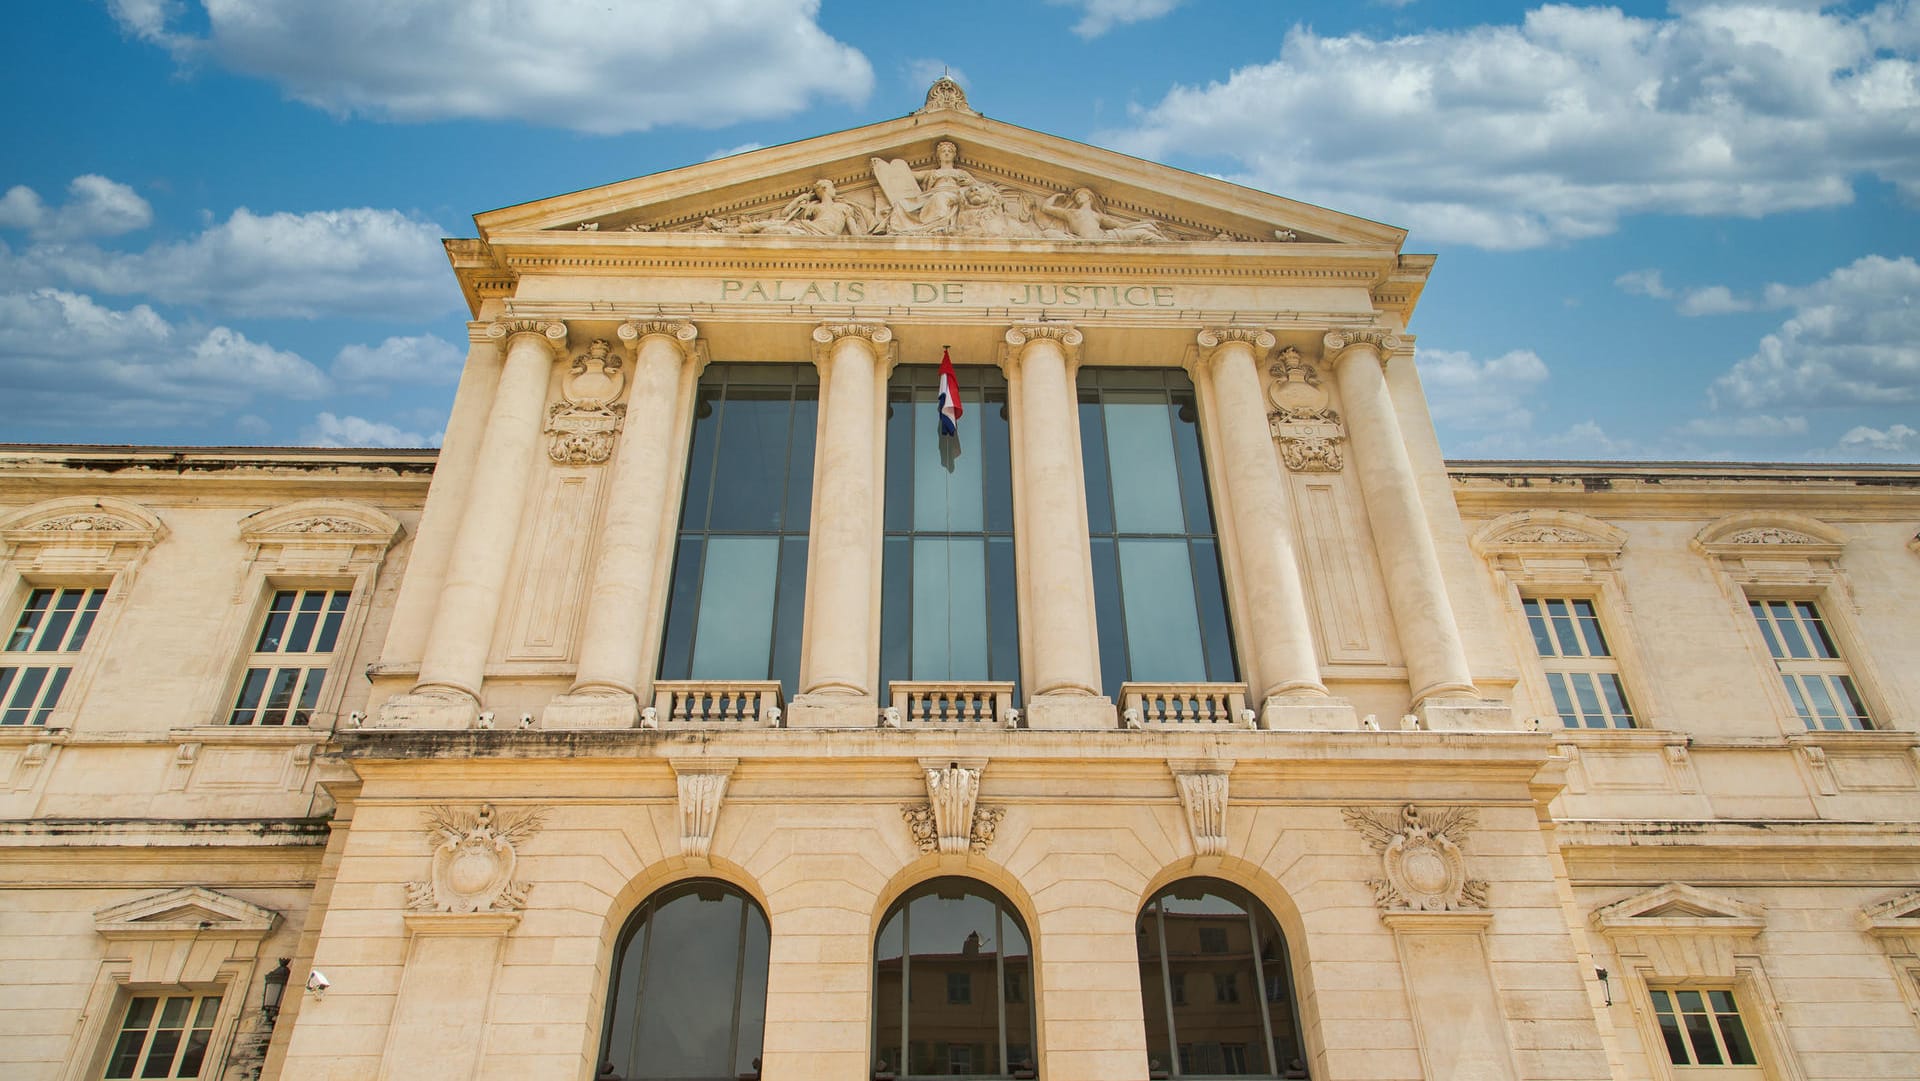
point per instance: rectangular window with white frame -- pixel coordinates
(1817, 678)
(166, 1036)
(1581, 670)
(296, 647)
(41, 651)
(1701, 1027)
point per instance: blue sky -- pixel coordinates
(1682, 231)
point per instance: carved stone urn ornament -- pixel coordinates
(583, 423)
(1420, 853)
(474, 857)
(1309, 433)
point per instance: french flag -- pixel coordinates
(949, 396)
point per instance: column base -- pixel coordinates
(833, 711)
(1070, 712)
(1308, 714)
(433, 710)
(1467, 715)
(586, 711)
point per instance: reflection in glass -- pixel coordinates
(953, 985)
(740, 568)
(947, 607)
(1216, 985)
(1157, 584)
(688, 999)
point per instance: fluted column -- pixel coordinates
(1272, 600)
(1423, 616)
(838, 673)
(454, 662)
(1058, 581)
(620, 598)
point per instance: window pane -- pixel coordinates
(1003, 661)
(84, 624)
(1146, 492)
(276, 625)
(1734, 1035)
(896, 609)
(1210, 597)
(50, 697)
(1822, 702)
(330, 630)
(901, 412)
(1093, 456)
(736, 608)
(946, 473)
(996, 465)
(1816, 629)
(1163, 626)
(193, 1054)
(789, 610)
(686, 1002)
(1851, 696)
(1563, 628)
(750, 471)
(1588, 698)
(1670, 1030)
(1562, 699)
(36, 610)
(26, 695)
(676, 649)
(1590, 629)
(54, 635)
(251, 688)
(1537, 623)
(1790, 636)
(1185, 417)
(949, 608)
(1616, 700)
(304, 624)
(1700, 1034)
(280, 697)
(706, 425)
(309, 695)
(1110, 614)
(1766, 629)
(160, 1053)
(951, 948)
(126, 1053)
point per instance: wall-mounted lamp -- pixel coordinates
(273, 988)
(1604, 985)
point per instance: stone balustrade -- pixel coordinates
(708, 703)
(937, 704)
(1184, 706)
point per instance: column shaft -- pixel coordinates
(1274, 600)
(1059, 617)
(837, 681)
(620, 598)
(1417, 592)
(455, 657)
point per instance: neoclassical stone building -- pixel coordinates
(720, 702)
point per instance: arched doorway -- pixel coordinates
(1216, 985)
(953, 985)
(688, 998)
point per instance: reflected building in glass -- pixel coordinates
(733, 697)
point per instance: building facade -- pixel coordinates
(726, 701)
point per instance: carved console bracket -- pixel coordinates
(1203, 793)
(581, 426)
(1420, 853)
(474, 856)
(1308, 430)
(951, 821)
(703, 787)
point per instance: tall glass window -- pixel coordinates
(953, 985)
(740, 569)
(689, 995)
(1156, 561)
(1216, 985)
(947, 607)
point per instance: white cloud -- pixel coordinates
(1099, 16)
(1643, 283)
(1485, 398)
(423, 358)
(1513, 136)
(1712, 300)
(1853, 339)
(1759, 426)
(732, 150)
(95, 206)
(1897, 440)
(921, 71)
(332, 430)
(708, 64)
(66, 359)
(363, 262)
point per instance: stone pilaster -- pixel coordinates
(453, 665)
(612, 676)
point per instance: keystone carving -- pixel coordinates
(474, 857)
(582, 425)
(703, 787)
(1203, 792)
(1308, 431)
(950, 821)
(1420, 855)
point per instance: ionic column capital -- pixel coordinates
(1212, 342)
(1020, 335)
(550, 331)
(878, 336)
(1338, 343)
(678, 332)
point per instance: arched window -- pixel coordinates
(1216, 986)
(688, 1000)
(952, 985)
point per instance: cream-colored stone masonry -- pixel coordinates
(493, 780)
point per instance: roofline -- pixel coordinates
(181, 450)
(1560, 465)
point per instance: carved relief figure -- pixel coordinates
(1081, 218)
(927, 201)
(820, 212)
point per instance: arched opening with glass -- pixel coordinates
(953, 985)
(1216, 985)
(688, 998)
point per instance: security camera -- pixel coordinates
(317, 983)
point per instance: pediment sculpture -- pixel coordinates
(948, 200)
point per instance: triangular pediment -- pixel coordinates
(1677, 905)
(1005, 184)
(187, 910)
(1902, 913)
